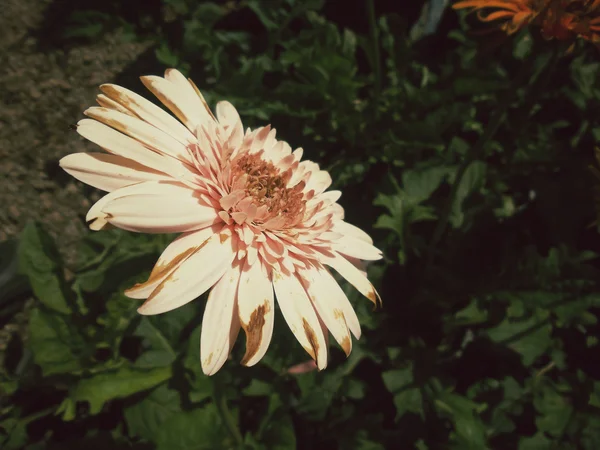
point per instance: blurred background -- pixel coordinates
(465, 152)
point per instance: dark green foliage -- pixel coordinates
(469, 166)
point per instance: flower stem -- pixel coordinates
(374, 31)
(228, 420)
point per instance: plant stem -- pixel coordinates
(221, 403)
(374, 32)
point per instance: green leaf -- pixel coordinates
(407, 398)
(146, 417)
(193, 430)
(277, 429)
(554, 410)
(56, 345)
(160, 352)
(418, 185)
(39, 260)
(201, 386)
(472, 314)
(104, 387)
(468, 426)
(536, 442)
(472, 181)
(13, 434)
(531, 337)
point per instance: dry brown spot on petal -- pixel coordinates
(375, 298)
(202, 99)
(312, 339)
(148, 82)
(346, 345)
(223, 238)
(254, 330)
(160, 287)
(117, 125)
(338, 314)
(159, 270)
(208, 360)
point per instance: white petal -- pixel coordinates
(327, 297)
(119, 144)
(108, 172)
(148, 135)
(184, 103)
(353, 275)
(357, 248)
(219, 315)
(318, 181)
(160, 208)
(109, 103)
(230, 119)
(172, 257)
(256, 311)
(149, 112)
(351, 230)
(95, 215)
(300, 316)
(198, 274)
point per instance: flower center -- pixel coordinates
(267, 187)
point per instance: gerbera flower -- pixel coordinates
(512, 15)
(558, 19)
(256, 221)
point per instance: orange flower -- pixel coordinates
(558, 19)
(513, 14)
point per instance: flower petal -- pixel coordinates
(119, 144)
(353, 275)
(157, 139)
(256, 311)
(160, 208)
(230, 120)
(300, 316)
(97, 218)
(326, 295)
(219, 316)
(149, 112)
(198, 274)
(357, 248)
(171, 258)
(108, 172)
(351, 230)
(184, 103)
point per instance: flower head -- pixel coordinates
(257, 222)
(557, 19)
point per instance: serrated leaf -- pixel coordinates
(418, 185)
(469, 428)
(159, 352)
(56, 345)
(536, 442)
(277, 429)
(198, 429)
(39, 260)
(407, 398)
(554, 410)
(121, 383)
(531, 337)
(472, 181)
(146, 417)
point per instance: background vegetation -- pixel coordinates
(466, 157)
